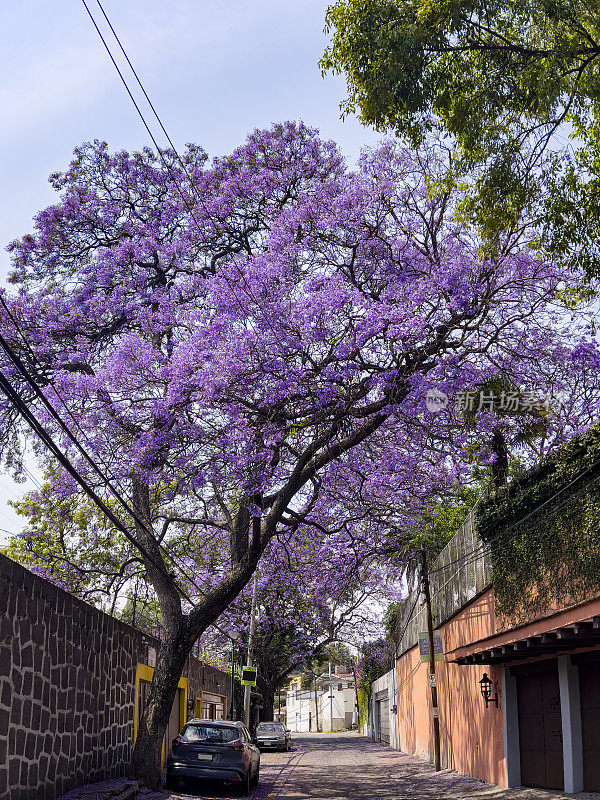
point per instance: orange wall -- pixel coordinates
(472, 739)
(471, 735)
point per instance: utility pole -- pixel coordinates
(248, 689)
(316, 702)
(432, 678)
(330, 700)
(232, 707)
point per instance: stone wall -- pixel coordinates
(67, 685)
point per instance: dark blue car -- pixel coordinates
(214, 750)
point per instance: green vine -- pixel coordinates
(363, 707)
(544, 531)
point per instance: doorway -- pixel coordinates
(589, 692)
(540, 726)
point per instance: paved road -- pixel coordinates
(345, 766)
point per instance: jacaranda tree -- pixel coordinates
(226, 336)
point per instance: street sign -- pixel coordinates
(432, 682)
(249, 675)
(438, 646)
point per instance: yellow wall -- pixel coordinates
(145, 673)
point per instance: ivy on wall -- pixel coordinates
(363, 707)
(544, 531)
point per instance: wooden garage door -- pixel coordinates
(540, 729)
(589, 689)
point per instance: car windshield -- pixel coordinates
(270, 727)
(209, 733)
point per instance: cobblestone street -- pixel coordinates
(346, 766)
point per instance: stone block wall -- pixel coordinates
(67, 685)
(67, 677)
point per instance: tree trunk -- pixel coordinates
(267, 689)
(180, 631)
(268, 712)
(170, 661)
(500, 465)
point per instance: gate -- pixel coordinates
(384, 716)
(540, 727)
(589, 690)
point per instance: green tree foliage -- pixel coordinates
(571, 228)
(489, 71)
(70, 543)
(507, 80)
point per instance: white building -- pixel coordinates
(334, 705)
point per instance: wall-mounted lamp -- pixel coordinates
(485, 684)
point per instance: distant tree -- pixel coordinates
(310, 599)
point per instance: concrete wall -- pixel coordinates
(472, 740)
(67, 688)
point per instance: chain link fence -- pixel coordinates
(461, 571)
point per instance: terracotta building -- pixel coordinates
(541, 723)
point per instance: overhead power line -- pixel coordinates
(14, 358)
(245, 288)
(16, 361)
(466, 558)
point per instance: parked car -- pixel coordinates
(214, 750)
(272, 735)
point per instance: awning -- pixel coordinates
(584, 634)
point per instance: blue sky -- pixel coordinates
(214, 71)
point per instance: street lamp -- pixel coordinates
(485, 684)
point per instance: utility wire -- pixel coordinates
(506, 531)
(14, 358)
(36, 388)
(475, 553)
(175, 151)
(45, 437)
(18, 403)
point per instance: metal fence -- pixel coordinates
(460, 572)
